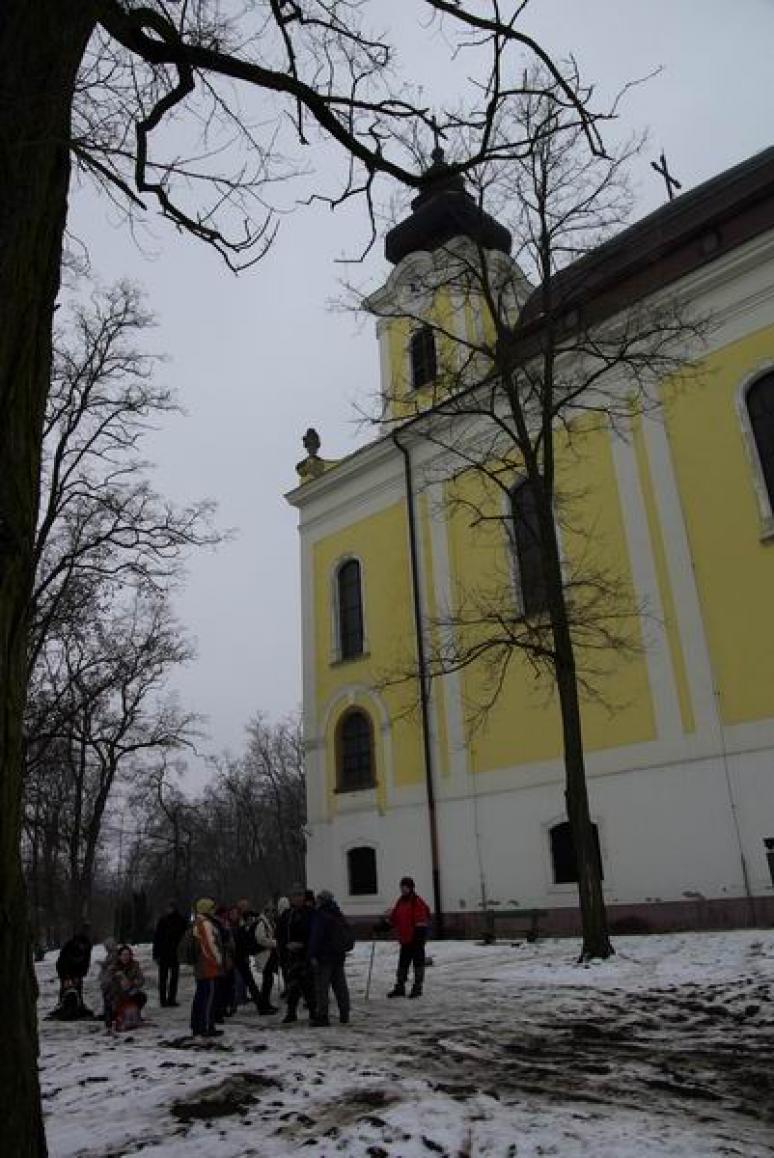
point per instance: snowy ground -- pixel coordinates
(666, 1049)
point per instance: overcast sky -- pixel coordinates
(260, 357)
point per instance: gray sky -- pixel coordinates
(259, 357)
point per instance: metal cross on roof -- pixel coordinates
(671, 182)
(437, 153)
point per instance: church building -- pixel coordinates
(401, 779)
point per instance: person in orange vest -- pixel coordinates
(410, 919)
(208, 966)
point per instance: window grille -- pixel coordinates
(350, 599)
(355, 753)
(760, 408)
(526, 539)
(424, 366)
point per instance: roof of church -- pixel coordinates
(442, 210)
(694, 229)
(673, 241)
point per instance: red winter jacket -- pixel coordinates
(409, 914)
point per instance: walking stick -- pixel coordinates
(370, 966)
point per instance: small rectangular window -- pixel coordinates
(361, 866)
(424, 367)
(768, 844)
(564, 860)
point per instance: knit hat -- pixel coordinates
(408, 881)
(205, 906)
(325, 896)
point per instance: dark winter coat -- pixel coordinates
(245, 943)
(169, 933)
(324, 935)
(298, 930)
(283, 920)
(410, 917)
(75, 957)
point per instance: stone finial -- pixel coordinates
(312, 466)
(311, 441)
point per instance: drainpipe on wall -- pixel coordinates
(424, 691)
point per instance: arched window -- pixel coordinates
(760, 408)
(355, 752)
(350, 609)
(424, 367)
(563, 857)
(361, 872)
(526, 540)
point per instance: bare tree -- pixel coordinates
(101, 523)
(242, 836)
(103, 534)
(551, 361)
(103, 714)
(96, 83)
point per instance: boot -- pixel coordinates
(399, 990)
(291, 1015)
(416, 990)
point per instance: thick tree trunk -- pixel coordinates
(596, 940)
(41, 45)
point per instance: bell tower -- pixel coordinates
(431, 313)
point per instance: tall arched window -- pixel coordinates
(350, 609)
(354, 752)
(526, 541)
(760, 408)
(424, 366)
(361, 871)
(563, 858)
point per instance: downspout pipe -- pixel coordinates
(424, 691)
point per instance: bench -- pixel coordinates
(531, 916)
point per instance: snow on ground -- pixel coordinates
(666, 1049)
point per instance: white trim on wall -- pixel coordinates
(661, 676)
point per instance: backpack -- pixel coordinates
(342, 934)
(186, 951)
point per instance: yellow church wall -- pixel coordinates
(734, 569)
(380, 542)
(524, 724)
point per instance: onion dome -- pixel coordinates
(442, 210)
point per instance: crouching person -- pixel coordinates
(73, 963)
(124, 996)
(330, 940)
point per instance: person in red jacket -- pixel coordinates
(410, 918)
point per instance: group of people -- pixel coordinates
(305, 942)
(302, 943)
(238, 954)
